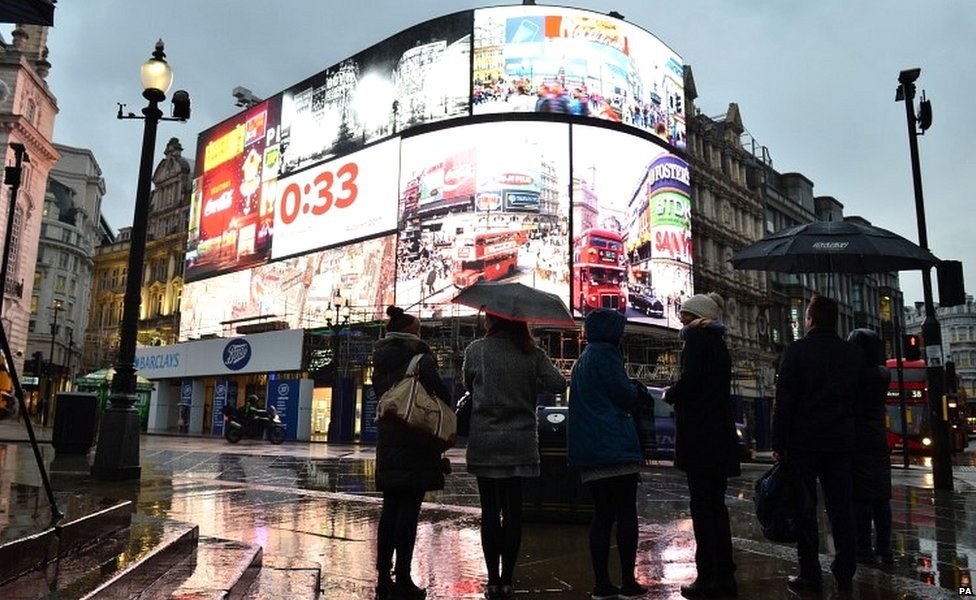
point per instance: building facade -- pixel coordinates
(61, 296)
(27, 113)
(162, 284)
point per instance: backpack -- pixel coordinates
(777, 501)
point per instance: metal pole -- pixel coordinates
(931, 331)
(50, 366)
(117, 453)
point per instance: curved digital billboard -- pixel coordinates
(401, 175)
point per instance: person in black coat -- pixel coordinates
(872, 460)
(705, 441)
(813, 429)
(406, 466)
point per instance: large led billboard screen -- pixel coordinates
(296, 200)
(558, 60)
(632, 248)
(302, 291)
(420, 75)
(485, 202)
(232, 204)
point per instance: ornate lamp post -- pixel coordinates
(117, 452)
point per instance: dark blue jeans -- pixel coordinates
(833, 470)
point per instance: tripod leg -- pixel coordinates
(56, 515)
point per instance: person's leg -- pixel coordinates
(862, 520)
(386, 534)
(724, 566)
(836, 481)
(882, 528)
(805, 469)
(600, 527)
(627, 535)
(704, 528)
(491, 526)
(406, 534)
(511, 527)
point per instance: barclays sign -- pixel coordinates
(236, 355)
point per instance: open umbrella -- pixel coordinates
(27, 12)
(833, 247)
(516, 301)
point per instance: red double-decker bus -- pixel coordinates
(918, 426)
(486, 256)
(599, 271)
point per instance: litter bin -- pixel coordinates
(75, 420)
(557, 495)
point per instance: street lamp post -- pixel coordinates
(117, 452)
(931, 331)
(49, 402)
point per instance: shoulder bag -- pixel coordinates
(408, 403)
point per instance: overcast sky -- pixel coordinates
(815, 83)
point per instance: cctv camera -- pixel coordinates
(909, 76)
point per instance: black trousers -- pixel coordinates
(501, 526)
(397, 531)
(614, 500)
(878, 513)
(834, 471)
(710, 520)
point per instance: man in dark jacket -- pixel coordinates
(406, 466)
(705, 441)
(813, 428)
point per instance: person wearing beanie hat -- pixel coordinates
(705, 441)
(703, 306)
(406, 468)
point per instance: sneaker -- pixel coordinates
(801, 583)
(629, 591)
(605, 592)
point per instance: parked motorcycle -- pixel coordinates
(255, 424)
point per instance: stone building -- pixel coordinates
(162, 284)
(61, 296)
(27, 112)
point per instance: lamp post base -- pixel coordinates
(117, 451)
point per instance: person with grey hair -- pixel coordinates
(813, 431)
(705, 441)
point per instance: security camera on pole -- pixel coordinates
(931, 331)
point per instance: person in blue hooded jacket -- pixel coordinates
(602, 445)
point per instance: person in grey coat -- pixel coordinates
(504, 371)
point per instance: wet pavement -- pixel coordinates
(317, 502)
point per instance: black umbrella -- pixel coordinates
(27, 12)
(833, 247)
(517, 302)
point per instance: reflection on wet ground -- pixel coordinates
(318, 502)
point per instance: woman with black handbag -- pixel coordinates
(602, 443)
(407, 466)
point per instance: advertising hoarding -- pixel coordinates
(549, 59)
(348, 198)
(233, 196)
(420, 75)
(302, 291)
(632, 248)
(482, 202)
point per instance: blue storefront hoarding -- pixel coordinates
(367, 422)
(283, 395)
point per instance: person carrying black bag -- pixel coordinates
(705, 441)
(407, 466)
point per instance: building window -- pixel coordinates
(66, 236)
(63, 260)
(59, 283)
(31, 325)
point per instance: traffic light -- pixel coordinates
(913, 347)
